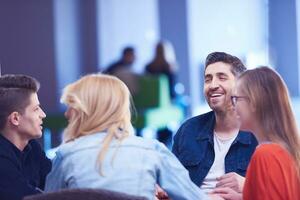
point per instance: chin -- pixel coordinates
(38, 135)
(245, 128)
(217, 108)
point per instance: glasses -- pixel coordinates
(234, 99)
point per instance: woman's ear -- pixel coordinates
(14, 118)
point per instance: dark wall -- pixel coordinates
(283, 41)
(27, 46)
(173, 26)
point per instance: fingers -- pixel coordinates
(160, 194)
(228, 175)
(228, 193)
(222, 190)
(229, 180)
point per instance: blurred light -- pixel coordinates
(179, 88)
(255, 59)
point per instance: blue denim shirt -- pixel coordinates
(194, 147)
(133, 166)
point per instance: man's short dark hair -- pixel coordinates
(15, 91)
(128, 50)
(237, 67)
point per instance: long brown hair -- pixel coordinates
(269, 95)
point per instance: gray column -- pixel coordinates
(173, 27)
(283, 41)
(27, 44)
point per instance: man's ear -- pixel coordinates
(14, 118)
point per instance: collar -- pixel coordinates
(206, 132)
(7, 145)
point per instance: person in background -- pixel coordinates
(211, 146)
(123, 69)
(262, 102)
(101, 151)
(164, 62)
(126, 61)
(23, 164)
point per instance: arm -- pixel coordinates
(13, 185)
(45, 164)
(228, 193)
(174, 178)
(231, 180)
(175, 149)
(55, 179)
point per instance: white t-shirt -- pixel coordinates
(221, 148)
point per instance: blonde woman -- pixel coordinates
(100, 151)
(263, 105)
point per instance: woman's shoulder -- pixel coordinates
(269, 148)
(271, 152)
(83, 142)
(144, 143)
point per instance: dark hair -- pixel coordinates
(128, 50)
(15, 90)
(237, 67)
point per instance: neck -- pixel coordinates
(227, 124)
(14, 138)
(259, 133)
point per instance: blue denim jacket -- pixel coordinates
(133, 167)
(194, 147)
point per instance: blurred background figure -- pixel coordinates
(164, 62)
(123, 69)
(125, 62)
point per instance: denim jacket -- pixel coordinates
(194, 147)
(133, 166)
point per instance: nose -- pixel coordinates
(214, 84)
(43, 114)
(67, 114)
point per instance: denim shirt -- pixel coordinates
(194, 147)
(133, 166)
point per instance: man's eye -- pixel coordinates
(207, 80)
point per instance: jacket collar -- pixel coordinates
(206, 132)
(8, 145)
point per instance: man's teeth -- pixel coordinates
(215, 95)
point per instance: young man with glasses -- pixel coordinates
(211, 146)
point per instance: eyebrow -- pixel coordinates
(207, 75)
(218, 74)
(222, 74)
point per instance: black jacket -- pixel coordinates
(22, 172)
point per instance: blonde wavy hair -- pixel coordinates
(269, 95)
(102, 104)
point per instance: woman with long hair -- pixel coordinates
(100, 150)
(263, 105)
(164, 62)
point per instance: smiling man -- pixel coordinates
(210, 145)
(23, 164)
